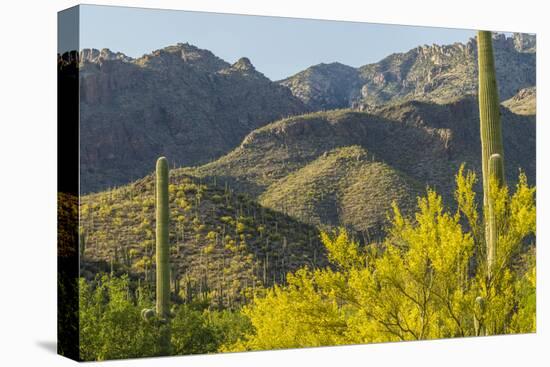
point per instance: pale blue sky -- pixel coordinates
(278, 47)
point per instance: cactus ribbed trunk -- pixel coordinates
(162, 254)
(491, 135)
(495, 173)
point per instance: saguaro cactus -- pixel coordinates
(490, 131)
(163, 254)
(162, 249)
(162, 312)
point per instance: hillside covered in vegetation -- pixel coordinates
(346, 167)
(223, 244)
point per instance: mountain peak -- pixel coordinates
(243, 64)
(325, 86)
(183, 54)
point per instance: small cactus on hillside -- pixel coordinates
(82, 241)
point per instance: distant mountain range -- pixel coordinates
(431, 73)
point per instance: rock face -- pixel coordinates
(431, 73)
(181, 101)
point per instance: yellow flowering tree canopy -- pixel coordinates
(427, 279)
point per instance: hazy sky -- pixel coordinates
(278, 47)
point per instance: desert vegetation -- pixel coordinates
(303, 237)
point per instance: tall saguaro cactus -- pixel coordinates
(162, 249)
(162, 311)
(163, 253)
(492, 151)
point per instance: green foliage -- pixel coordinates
(416, 284)
(111, 326)
(302, 314)
(110, 322)
(524, 320)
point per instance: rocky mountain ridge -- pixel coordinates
(179, 101)
(437, 73)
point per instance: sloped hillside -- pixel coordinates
(289, 165)
(344, 186)
(222, 244)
